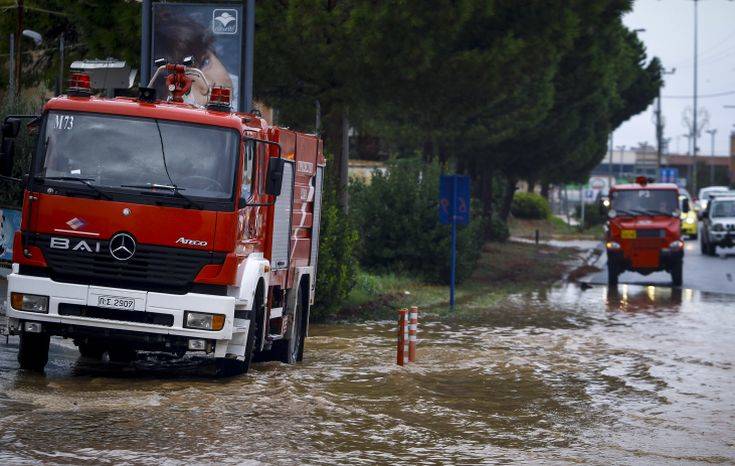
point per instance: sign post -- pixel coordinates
(454, 209)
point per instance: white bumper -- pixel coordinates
(86, 295)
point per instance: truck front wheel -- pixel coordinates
(228, 367)
(33, 351)
(677, 274)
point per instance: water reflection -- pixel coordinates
(636, 374)
(628, 298)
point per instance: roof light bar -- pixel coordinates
(79, 85)
(219, 99)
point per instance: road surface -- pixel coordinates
(703, 273)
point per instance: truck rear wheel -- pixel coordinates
(90, 350)
(677, 274)
(33, 351)
(291, 351)
(612, 275)
(122, 354)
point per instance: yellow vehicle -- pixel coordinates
(689, 219)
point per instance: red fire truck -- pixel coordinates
(644, 230)
(156, 225)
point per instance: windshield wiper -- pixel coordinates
(658, 212)
(172, 188)
(84, 181)
(625, 212)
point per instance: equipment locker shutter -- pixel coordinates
(316, 218)
(282, 221)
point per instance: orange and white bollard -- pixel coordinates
(401, 356)
(413, 317)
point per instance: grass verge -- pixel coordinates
(553, 228)
(503, 269)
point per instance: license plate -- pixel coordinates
(628, 234)
(116, 302)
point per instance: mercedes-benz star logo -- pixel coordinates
(122, 246)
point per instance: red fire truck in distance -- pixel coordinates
(161, 226)
(644, 230)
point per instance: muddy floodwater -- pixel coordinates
(565, 376)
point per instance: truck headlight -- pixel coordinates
(676, 245)
(612, 245)
(718, 227)
(204, 321)
(29, 302)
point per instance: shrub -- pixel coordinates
(337, 266)
(530, 206)
(498, 230)
(397, 216)
(593, 215)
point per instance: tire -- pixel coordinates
(291, 351)
(677, 274)
(612, 275)
(711, 249)
(33, 351)
(90, 350)
(229, 367)
(122, 354)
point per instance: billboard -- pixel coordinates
(9, 224)
(212, 34)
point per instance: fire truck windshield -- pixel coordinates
(111, 151)
(646, 202)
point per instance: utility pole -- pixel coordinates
(712, 133)
(18, 34)
(145, 43)
(11, 65)
(610, 164)
(622, 151)
(660, 128)
(695, 129)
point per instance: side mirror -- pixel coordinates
(11, 127)
(274, 177)
(7, 147)
(685, 205)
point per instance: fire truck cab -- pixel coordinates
(643, 231)
(158, 225)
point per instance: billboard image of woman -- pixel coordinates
(210, 34)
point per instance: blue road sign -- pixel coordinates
(669, 175)
(454, 208)
(454, 199)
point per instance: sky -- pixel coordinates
(669, 35)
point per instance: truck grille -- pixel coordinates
(650, 233)
(154, 318)
(152, 268)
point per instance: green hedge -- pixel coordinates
(530, 206)
(337, 265)
(397, 215)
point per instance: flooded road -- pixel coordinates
(645, 375)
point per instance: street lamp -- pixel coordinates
(660, 126)
(33, 35)
(37, 39)
(712, 133)
(622, 150)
